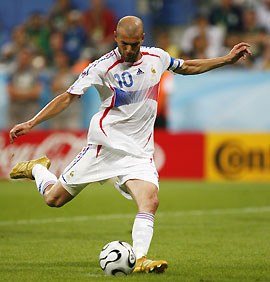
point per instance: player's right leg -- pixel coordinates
(52, 190)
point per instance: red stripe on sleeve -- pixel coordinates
(154, 55)
(115, 64)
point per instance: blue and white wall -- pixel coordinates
(221, 100)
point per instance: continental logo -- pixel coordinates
(232, 158)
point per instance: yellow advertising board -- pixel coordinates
(242, 157)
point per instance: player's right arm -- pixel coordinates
(56, 106)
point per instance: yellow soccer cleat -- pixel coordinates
(144, 264)
(24, 169)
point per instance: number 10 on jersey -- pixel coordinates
(125, 79)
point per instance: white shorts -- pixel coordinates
(96, 163)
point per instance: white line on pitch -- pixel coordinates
(246, 210)
(93, 275)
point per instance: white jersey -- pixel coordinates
(128, 94)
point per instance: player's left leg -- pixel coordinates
(52, 190)
(145, 194)
(56, 195)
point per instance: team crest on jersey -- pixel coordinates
(154, 74)
(139, 72)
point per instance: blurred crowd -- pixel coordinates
(218, 27)
(54, 48)
(59, 45)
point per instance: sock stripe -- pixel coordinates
(147, 214)
(142, 215)
(50, 182)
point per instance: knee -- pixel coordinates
(54, 202)
(155, 203)
(151, 204)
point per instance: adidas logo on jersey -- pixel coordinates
(139, 72)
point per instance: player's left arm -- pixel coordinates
(198, 66)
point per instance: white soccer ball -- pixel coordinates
(117, 258)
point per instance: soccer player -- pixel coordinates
(120, 139)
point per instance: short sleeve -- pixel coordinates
(165, 58)
(168, 62)
(91, 75)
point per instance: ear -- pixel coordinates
(115, 35)
(143, 37)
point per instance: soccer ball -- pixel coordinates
(117, 258)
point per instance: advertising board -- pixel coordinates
(178, 155)
(232, 156)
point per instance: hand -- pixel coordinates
(19, 129)
(239, 51)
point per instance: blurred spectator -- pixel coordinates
(263, 55)
(164, 41)
(263, 62)
(249, 22)
(100, 23)
(24, 89)
(56, 44)
(213, 35)
(231, 39)
(38, 32)
(252, 34)
(39, 63)
(185, 56)
(84, 60)
(4, 36)
(75, 37)
(19, 41)
(263, 15)
(58, 14)
(62, 79)
(228, 15)
(199, 47)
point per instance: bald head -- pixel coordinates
(129, 37)
(130, 25)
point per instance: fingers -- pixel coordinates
(243, 53)
(248, 51)
(15, 132)
(241, 50)
(242, 44)
(242, 47)
(12, 135)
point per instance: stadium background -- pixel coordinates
(217, 124)
(212, 129)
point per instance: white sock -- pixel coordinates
(142, 233)
(43, 177)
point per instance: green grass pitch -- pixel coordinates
(207, 232)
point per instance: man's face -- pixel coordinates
(129, 46)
